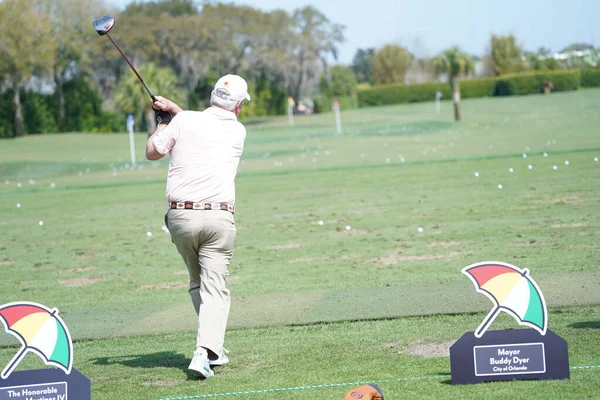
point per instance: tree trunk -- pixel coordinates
(60, 97)
(326, 70)
(456, 99)
(17, 106)
(300, 82)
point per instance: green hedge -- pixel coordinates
(521, 84)
(395, 94)
(590, 78)
(484, 87)
(506, 85)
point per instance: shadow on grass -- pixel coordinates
(445, 381)
(164, 359)
(586, 325)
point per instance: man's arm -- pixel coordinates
(151, 153)
(165, 109)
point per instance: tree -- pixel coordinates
(290, 49)
(390, 64)
(72, 34)
(315, 39)
(132, 98)
(505, 55)
(362, 65)
(274, 47)
(342, 86)
(155, 8)
(455, 63)
(27, 48)
(184, 41)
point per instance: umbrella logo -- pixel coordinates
(511, 290)
(41, 331)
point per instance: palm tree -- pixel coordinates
(456, 64)
(132, 98)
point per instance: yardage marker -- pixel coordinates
(325, 385)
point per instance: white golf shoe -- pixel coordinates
(223, 357)
(200, 365)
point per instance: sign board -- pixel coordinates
(41, 331)
(507, 355)
(45, 384)
(533, 353)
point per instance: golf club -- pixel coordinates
(103, 26)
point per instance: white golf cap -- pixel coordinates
(232, 87)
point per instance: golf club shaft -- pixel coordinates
(133, 69)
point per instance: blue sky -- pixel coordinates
(427, 27)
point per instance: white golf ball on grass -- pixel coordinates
(41, 223)
(149, 234)
(420, 230)
(348, 227)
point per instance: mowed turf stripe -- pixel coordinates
(328, 385)
(319, 306)
(301, 308)
(283, 172)
(246, 312)
(560, 290)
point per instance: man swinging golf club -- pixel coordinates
(205, 149)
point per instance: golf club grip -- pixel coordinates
(133, 69)
(149, 91)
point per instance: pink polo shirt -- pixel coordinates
(205, 149)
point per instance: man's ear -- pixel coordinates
(238, 108)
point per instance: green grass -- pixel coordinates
(394, 169)
(388, 351)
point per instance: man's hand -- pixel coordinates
(167, 105)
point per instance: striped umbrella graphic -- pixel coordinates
(41, 331)
(511, 290)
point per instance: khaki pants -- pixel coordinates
(205, 240)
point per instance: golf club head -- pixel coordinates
(104, 24)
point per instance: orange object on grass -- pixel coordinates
(365, 392)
